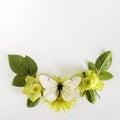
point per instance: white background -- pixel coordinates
(61, 36)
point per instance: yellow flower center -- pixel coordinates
(36, 87)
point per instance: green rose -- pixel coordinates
(90, 80)
(32, 88)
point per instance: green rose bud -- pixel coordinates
(32, 88)
(90, 80)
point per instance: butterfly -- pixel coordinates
(54, 89)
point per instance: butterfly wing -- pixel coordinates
(50, 86)
(68, 92)
(51, 94)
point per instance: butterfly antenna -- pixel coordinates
(71, 79)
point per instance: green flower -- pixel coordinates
(32, 88)
(60, 104)
(90, 80)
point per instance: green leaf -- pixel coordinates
(84, 93)
(18, 64)
(103, 75)
(91, 96)
(32, 65)
(19, 81)
(32, 104)
(104, 61)
(97, 94)
(92, 66)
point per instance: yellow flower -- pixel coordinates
(32, 88)
(60, 104)
(90, 81)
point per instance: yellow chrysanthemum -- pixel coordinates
(32, 88)
(60, 104)
(90, 81)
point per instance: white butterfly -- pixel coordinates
(66, 90)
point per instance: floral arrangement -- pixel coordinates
(60, 93)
